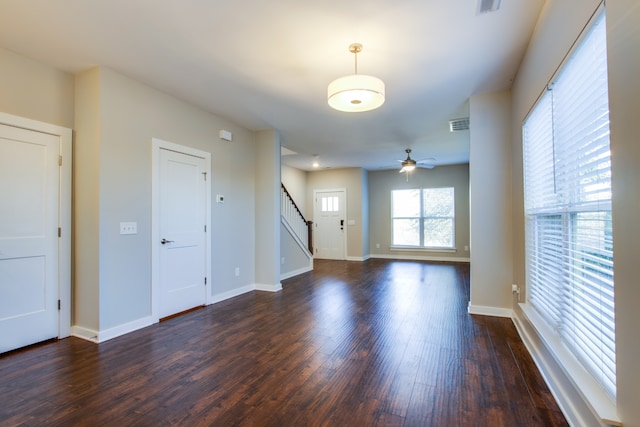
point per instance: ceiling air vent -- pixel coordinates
(457, 125)
(485, 6)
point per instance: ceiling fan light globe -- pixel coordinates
(408, 166)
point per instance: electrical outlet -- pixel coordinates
(515, 289)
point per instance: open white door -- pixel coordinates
(29, 191)
(330, 223)
(181, 237)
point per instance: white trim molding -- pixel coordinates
(582, 402)
(107, 334)
(156, 146)
(85, 333)
(65, 136)
(290, 274)
(268, 288)
(490, 311)
(358, 258)
(215, 298)
(421, 258)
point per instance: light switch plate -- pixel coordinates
(128, 228)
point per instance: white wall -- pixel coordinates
(558, 27)
(490, 203)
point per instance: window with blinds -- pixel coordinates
(567, 186)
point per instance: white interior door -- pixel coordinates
(182, 235)
(330, 222)
(29, 195)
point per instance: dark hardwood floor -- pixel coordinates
(350, 344)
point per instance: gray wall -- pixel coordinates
(381, 183)
(34, 90)
(295, 181)
(490, 202)
(293, 259)
(117, 118)
(267, 217)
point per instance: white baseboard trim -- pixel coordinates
(268, 288)
(84, 333)
(358, 258)
(490, 311)
(296, 272)
(230, 294)
(107, 334)
(421, 258)
(114, 332)
(102, 336)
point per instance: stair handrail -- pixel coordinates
(308, 239)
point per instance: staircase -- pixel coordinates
(300, 230)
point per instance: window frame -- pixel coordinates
(421, 218)
(558, 293)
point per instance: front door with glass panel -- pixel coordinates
(330, 224)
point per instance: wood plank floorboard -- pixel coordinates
(373, 343)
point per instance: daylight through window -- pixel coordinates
(569, 239)
(423, 218)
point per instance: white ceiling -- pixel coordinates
(266, 64)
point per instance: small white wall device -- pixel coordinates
(226, 135)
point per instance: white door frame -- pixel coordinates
(64, 211)
(346, 213)
(156, 146)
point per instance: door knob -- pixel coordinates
(164, 241)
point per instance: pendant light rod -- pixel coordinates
(355, 48)
(356, 92)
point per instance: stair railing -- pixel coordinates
(296, 221)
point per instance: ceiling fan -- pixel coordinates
(409, 164)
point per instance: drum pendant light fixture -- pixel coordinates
(356, 92)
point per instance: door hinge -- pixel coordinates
(59, 160)
(59, 231)
(205, 228)
(205, 280)
(59, 304)
(204, 174)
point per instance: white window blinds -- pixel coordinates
(567, 175)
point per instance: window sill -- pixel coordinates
(601, 404)
(421, 249)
